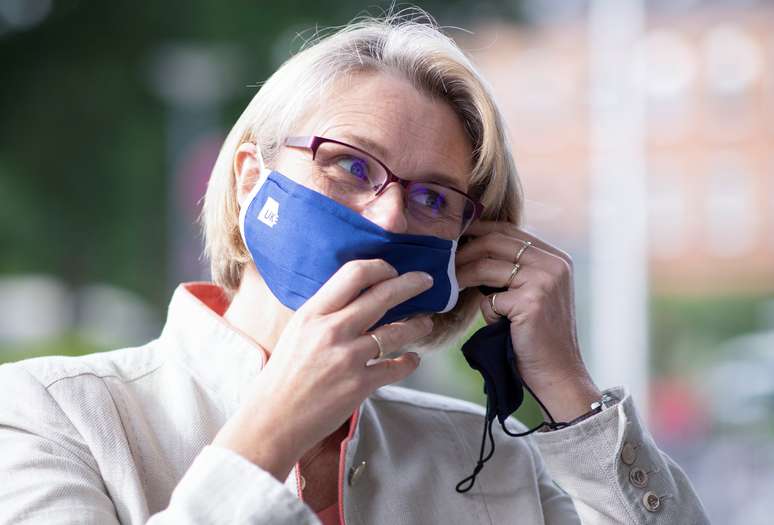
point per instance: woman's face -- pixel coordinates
(417, 137)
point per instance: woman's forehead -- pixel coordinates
(405, 128)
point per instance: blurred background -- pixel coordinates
(644, 135)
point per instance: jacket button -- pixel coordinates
(638, 477)
(651, 501)
(355, 472)
(629, 454)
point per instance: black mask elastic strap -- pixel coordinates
(490, 351)
(481, 458)
(488, 431)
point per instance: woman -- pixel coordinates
(261, 400)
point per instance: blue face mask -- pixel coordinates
(298, 238)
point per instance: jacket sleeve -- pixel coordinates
(47, 474)
(558, 507)
(615, 473)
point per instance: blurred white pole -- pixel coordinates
(619, 241)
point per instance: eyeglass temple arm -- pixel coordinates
(301, 142)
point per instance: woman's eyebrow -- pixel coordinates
(444, 180)
(375, 148)
(371, 146)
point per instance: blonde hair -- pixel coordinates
(410, 44)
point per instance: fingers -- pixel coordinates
(395, 336)
(480, 228)
(498, 245)
(544, 246)
(371, 306)
(347, 283)
(390, 370)
(491, 272)
(508, 304)
(490, 316)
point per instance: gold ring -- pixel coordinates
(379, 344)
(492, 304)
(514, 271)
(526, 245)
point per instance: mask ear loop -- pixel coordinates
(263, 175)
(261, 164)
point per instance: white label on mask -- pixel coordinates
(269, 213)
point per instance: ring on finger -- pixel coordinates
(525, 245)
(492, 304)
(514, 271)
(379, 345)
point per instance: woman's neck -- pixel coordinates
(256, 312)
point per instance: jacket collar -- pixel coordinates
(218, 355)
(221, 357)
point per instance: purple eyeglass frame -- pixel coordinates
(313, 142)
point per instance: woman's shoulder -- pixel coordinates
(124, 364)
(420, 400)
(52, 383)
(417, 403)
(71, 400)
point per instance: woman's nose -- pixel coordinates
(388, 210)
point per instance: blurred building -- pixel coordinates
(708, 75)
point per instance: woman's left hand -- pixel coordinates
(540, 306)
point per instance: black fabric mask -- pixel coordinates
(490, 352)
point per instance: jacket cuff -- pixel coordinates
(221, 486)
(613, 470)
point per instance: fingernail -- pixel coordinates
(427, 277)
(415, 357)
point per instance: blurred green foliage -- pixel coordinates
(686, 332)
(70, 344)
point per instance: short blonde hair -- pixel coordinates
(410, 44)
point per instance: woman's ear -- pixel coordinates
(248, 167)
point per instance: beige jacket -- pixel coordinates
(123, 437)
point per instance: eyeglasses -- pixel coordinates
(354, 177)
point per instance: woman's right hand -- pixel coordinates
(316, 375)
